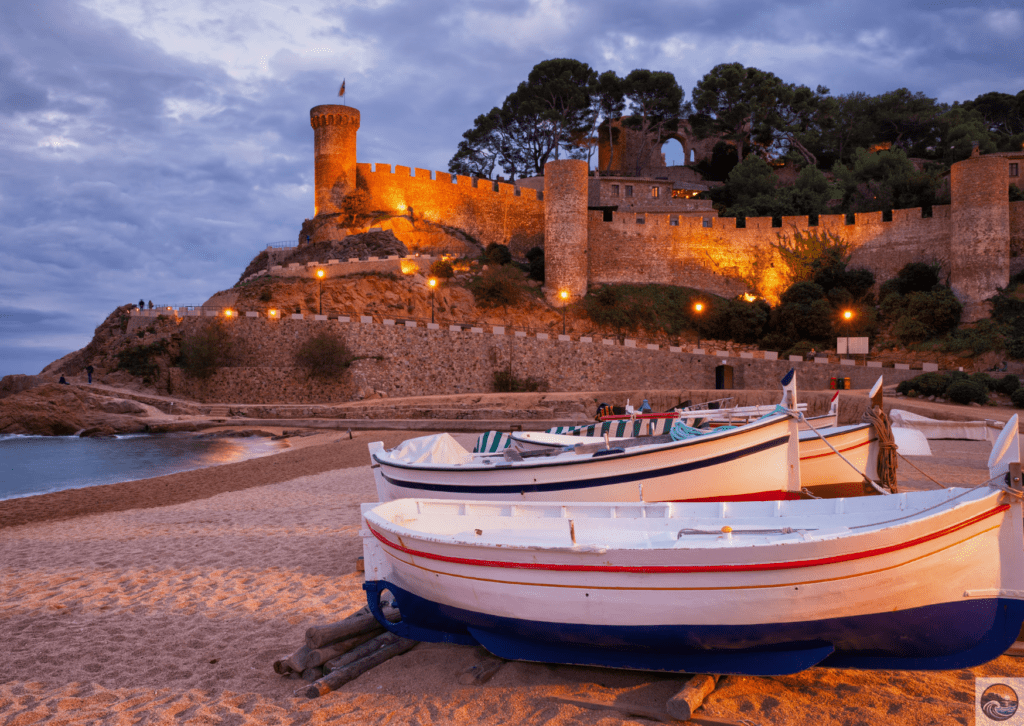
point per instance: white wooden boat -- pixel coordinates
(919, 581)
(755, 461)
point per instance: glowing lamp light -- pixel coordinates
(564, 294)
(699, 307)
(320, 274)
(229, 313)
(409, 267)
(847, 315)
(748, 297)
(432, 282)
(273, 313)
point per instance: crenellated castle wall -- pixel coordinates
(488, 211)
(713, 254)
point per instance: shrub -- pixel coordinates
(983, 379)
(498, 287)
(266, 295)
(1017, 399)
(801, 349)
(965, 392)
(1007, 385)
(917, 277)
(910, 330)
(1015, 346)
(442, 269)
(926, 384)
(323, 356)
(497, 254)
(138, 360)
(206, 349)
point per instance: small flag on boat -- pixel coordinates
(342, 91)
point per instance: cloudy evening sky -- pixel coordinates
(150, 148)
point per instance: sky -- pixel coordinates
(150, 148)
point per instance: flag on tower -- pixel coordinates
(342, 91)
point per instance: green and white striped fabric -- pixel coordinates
(491, 442)
(619, 429)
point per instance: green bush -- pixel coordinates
(497, 254)
(323, 356)
(926, 384)
(206, 349)
(910, 330)
(1017, 399)
(983, 379)
(498, 287)
(442, 269)
(139, 361)
(965, 392)
(1007, 385)
(1015, 346)
(801, 348)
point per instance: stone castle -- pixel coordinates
(617, 229)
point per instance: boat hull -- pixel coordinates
(983, 630)
(752, 464)
(928, 580)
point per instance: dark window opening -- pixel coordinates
(886, 215)
(615, 190)
(1014, 170)
(640, 219)
(629, 190)
(654, 192)
(850, 218)
(673, 220)
(707, 221)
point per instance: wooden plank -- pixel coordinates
(691, 696)
(337, 678)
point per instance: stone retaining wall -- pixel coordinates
(416, 361)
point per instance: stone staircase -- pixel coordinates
(219, 412)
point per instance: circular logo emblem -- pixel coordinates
(999, 702)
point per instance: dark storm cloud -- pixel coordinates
(128, 170)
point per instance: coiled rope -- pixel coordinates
(887, 453)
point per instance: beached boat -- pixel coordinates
(680, 467)
(919, 581)
(832, 458)
(716, 466)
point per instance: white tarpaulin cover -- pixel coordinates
(436, 449)
(911, 442)
(935, 429)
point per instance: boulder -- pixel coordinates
(55, 410)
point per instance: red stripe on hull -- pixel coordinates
(768, 496)
(833, 453)
(669, 569)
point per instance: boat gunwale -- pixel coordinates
(540, 463)
(918, 517)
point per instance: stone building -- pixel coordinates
(593, 231)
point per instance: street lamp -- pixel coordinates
(847, 317)
(564, 294)
(698, 308)
(320, 290)
(433, 284)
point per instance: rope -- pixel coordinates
(867, 479)
(886, 464)
(920, 471)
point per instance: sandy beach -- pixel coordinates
(166, 601)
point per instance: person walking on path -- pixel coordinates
(89, 369)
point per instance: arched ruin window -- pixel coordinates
(674, 152)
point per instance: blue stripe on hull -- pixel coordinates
(936, 637)
(584, 483)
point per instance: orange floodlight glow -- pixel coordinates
(847, 314)
(320, 274)
(564, 294)
(432, 282)
(409, 267)
(699, 307)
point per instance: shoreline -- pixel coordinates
(304, 456)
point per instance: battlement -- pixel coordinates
(466, 183)
(329, 115)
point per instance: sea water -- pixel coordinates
(39, 464)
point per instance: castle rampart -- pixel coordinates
(978, 242)
(488, 211)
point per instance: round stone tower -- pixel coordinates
(334, 148)
(565, 229)
(979, 232)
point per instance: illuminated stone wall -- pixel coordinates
(487, 211)
(727, 260)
